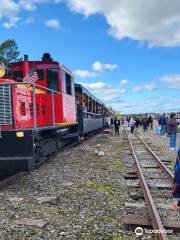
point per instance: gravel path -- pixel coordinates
(162, 145)
(76, 195)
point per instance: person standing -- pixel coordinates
(176, 184)
(155, 126)
(150, 122)
(163, 123)
(145, 124)
(137, 122)
(172, 130)
(116, 125)
(107, 122)
(132, 124)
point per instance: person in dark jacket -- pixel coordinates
(163, 124)
(176, 184)
(172, 130)
(145, 124)
(150, 122)
(116, 125)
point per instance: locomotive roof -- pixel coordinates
(37, 62)
(47, 62)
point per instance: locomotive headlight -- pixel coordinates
(20, 134)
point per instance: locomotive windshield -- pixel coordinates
(17, 74)
(52, 79)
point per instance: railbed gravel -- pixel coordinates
(89, 193)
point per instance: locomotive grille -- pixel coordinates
(5, 105)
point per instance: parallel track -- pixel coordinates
(155, 217)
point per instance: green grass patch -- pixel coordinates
(99, 187)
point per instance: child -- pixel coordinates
(176, 184)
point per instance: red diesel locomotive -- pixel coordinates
(37, 119)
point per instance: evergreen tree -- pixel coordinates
(9, 51)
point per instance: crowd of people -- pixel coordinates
(166, 126)
(163, 125)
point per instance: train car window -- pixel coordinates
(73, 87)
(17, 74)
(40, 73)
(52, 79)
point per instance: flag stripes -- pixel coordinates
(30, 78)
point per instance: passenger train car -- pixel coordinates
(37, 119)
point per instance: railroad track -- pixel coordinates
(155, 180)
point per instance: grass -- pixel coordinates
(99, 187)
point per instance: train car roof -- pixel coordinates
(84, 90)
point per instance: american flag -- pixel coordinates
(30, 78)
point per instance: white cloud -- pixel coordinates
(147, 87)
(53, 23)
(137, 88)
(84, 73)
(28, 5)
(8, 8)
(31, 5)
(97, 68)
(172, 81)
(11, 23)
(101, 67)
(122, 90)
(153, 105)
(105, 92)
(123, 82)
(29, 20)
(155, 22)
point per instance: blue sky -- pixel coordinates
(126, 53)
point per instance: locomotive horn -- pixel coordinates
(47, 57)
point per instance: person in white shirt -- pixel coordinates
(132, 124)
(155, 126)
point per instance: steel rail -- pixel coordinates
(153, 212)
(160, 163)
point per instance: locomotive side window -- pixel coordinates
(52, 79)
(67, 83)
(17, 74)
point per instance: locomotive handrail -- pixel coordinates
(34, 84)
